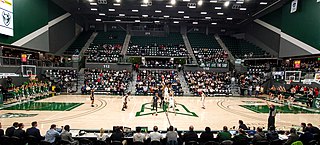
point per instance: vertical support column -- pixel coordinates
(105, 27)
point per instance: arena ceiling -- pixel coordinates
(175, 12)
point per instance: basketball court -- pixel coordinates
(76, 111)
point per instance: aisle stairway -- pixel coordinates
(80, 80)
(184, 84)
(189, 48)
(132, 86)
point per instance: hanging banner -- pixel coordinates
(6, 22)
(294, 6)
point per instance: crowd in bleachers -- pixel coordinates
(306, 135)
(160, 64)
(64, 79)
(207, 57)
(211, 83)
(158, 50)
(150, 81)
(106, 53)
(302, 94)
(109, 81)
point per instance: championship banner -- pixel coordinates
(294, 6)
(6, 23)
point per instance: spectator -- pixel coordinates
(138, 136)
(306, 137)
(10, 130)
(20, 133)
(242, 125)
(312, 129)
(206, 136)
(34, 131)
(101, 136)
(1, 130)
(190, 135)
(118, 136)
(172, 136)
(67, 136)
(304, 127)
(52, 134)
(272, 135)
(259, 136)
(292, 137)
(241, 138)
(155, 135)
(224, 134)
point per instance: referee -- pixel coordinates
(272, 115)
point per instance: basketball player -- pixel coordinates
(92, 97)
(172, 103)
(125, 100)
(155, 99)
(203, 98)
(165, 91)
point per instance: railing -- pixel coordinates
(41, 63)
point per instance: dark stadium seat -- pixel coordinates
(262, 143)
(155, 143)
(116, 143)
(63, 142)
(227, 142)
(99, 142)
(31, 140)
(45, 143)
(192, 143)
(314, 142)
(16, 141)
(211, 143)
(85, 141)
(4, 140)
(276, 142)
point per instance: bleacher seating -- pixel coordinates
(108, 81)
(149, 81)
(172, 45)
(211, 83)
(106, 47)
(78, 43)
(241, 48)
(207, 51)
(65, 76)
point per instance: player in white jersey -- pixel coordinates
(203, 98)
(166, 92)
(172, 103)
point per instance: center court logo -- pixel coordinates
(146, 109)
(6, 17)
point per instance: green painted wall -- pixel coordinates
(303, 25)
(30, 15)
(54, 10)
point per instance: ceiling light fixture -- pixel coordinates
(213, 1)
(176, 22)
(173, 2)
(122, 15)
(169, 6)
(118, 20)
(156, 21)
(137, 21)
(180, 12)
(195, 23)
(200, 2)
(203, 13)
(145, 1)
(112, 10)
(166, 16)
(213, 23)
(118, 1)
(158, 11)
(102, 14)
(116, 4)
(263, 3)
(226, 4)
(93, 4)
(144, 15)
(135, 11)
(94, 9)
(243, 9)
(217, 8)
(229, 18)
(186, 17)
(219, 13)
(98, 20)
(208, 18)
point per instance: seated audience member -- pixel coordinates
(306, 137)
(34, 131)
(241, 138)
(1, 130)
(312, 129)
(190, 135)
(20, 133)
(272, 135)
(172, 136)
(67, 136)
(101, 136)
(138, 136)
(206, 136)
(303, 127)
(118, 136)
(292, 137)
(242, 125)
(10, 130)
(52, 134)
(224, 134)
(259, 136)
(155, 135)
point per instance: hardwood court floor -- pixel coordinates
(107, 113)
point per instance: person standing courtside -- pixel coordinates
(272, 115)
(92, 97)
